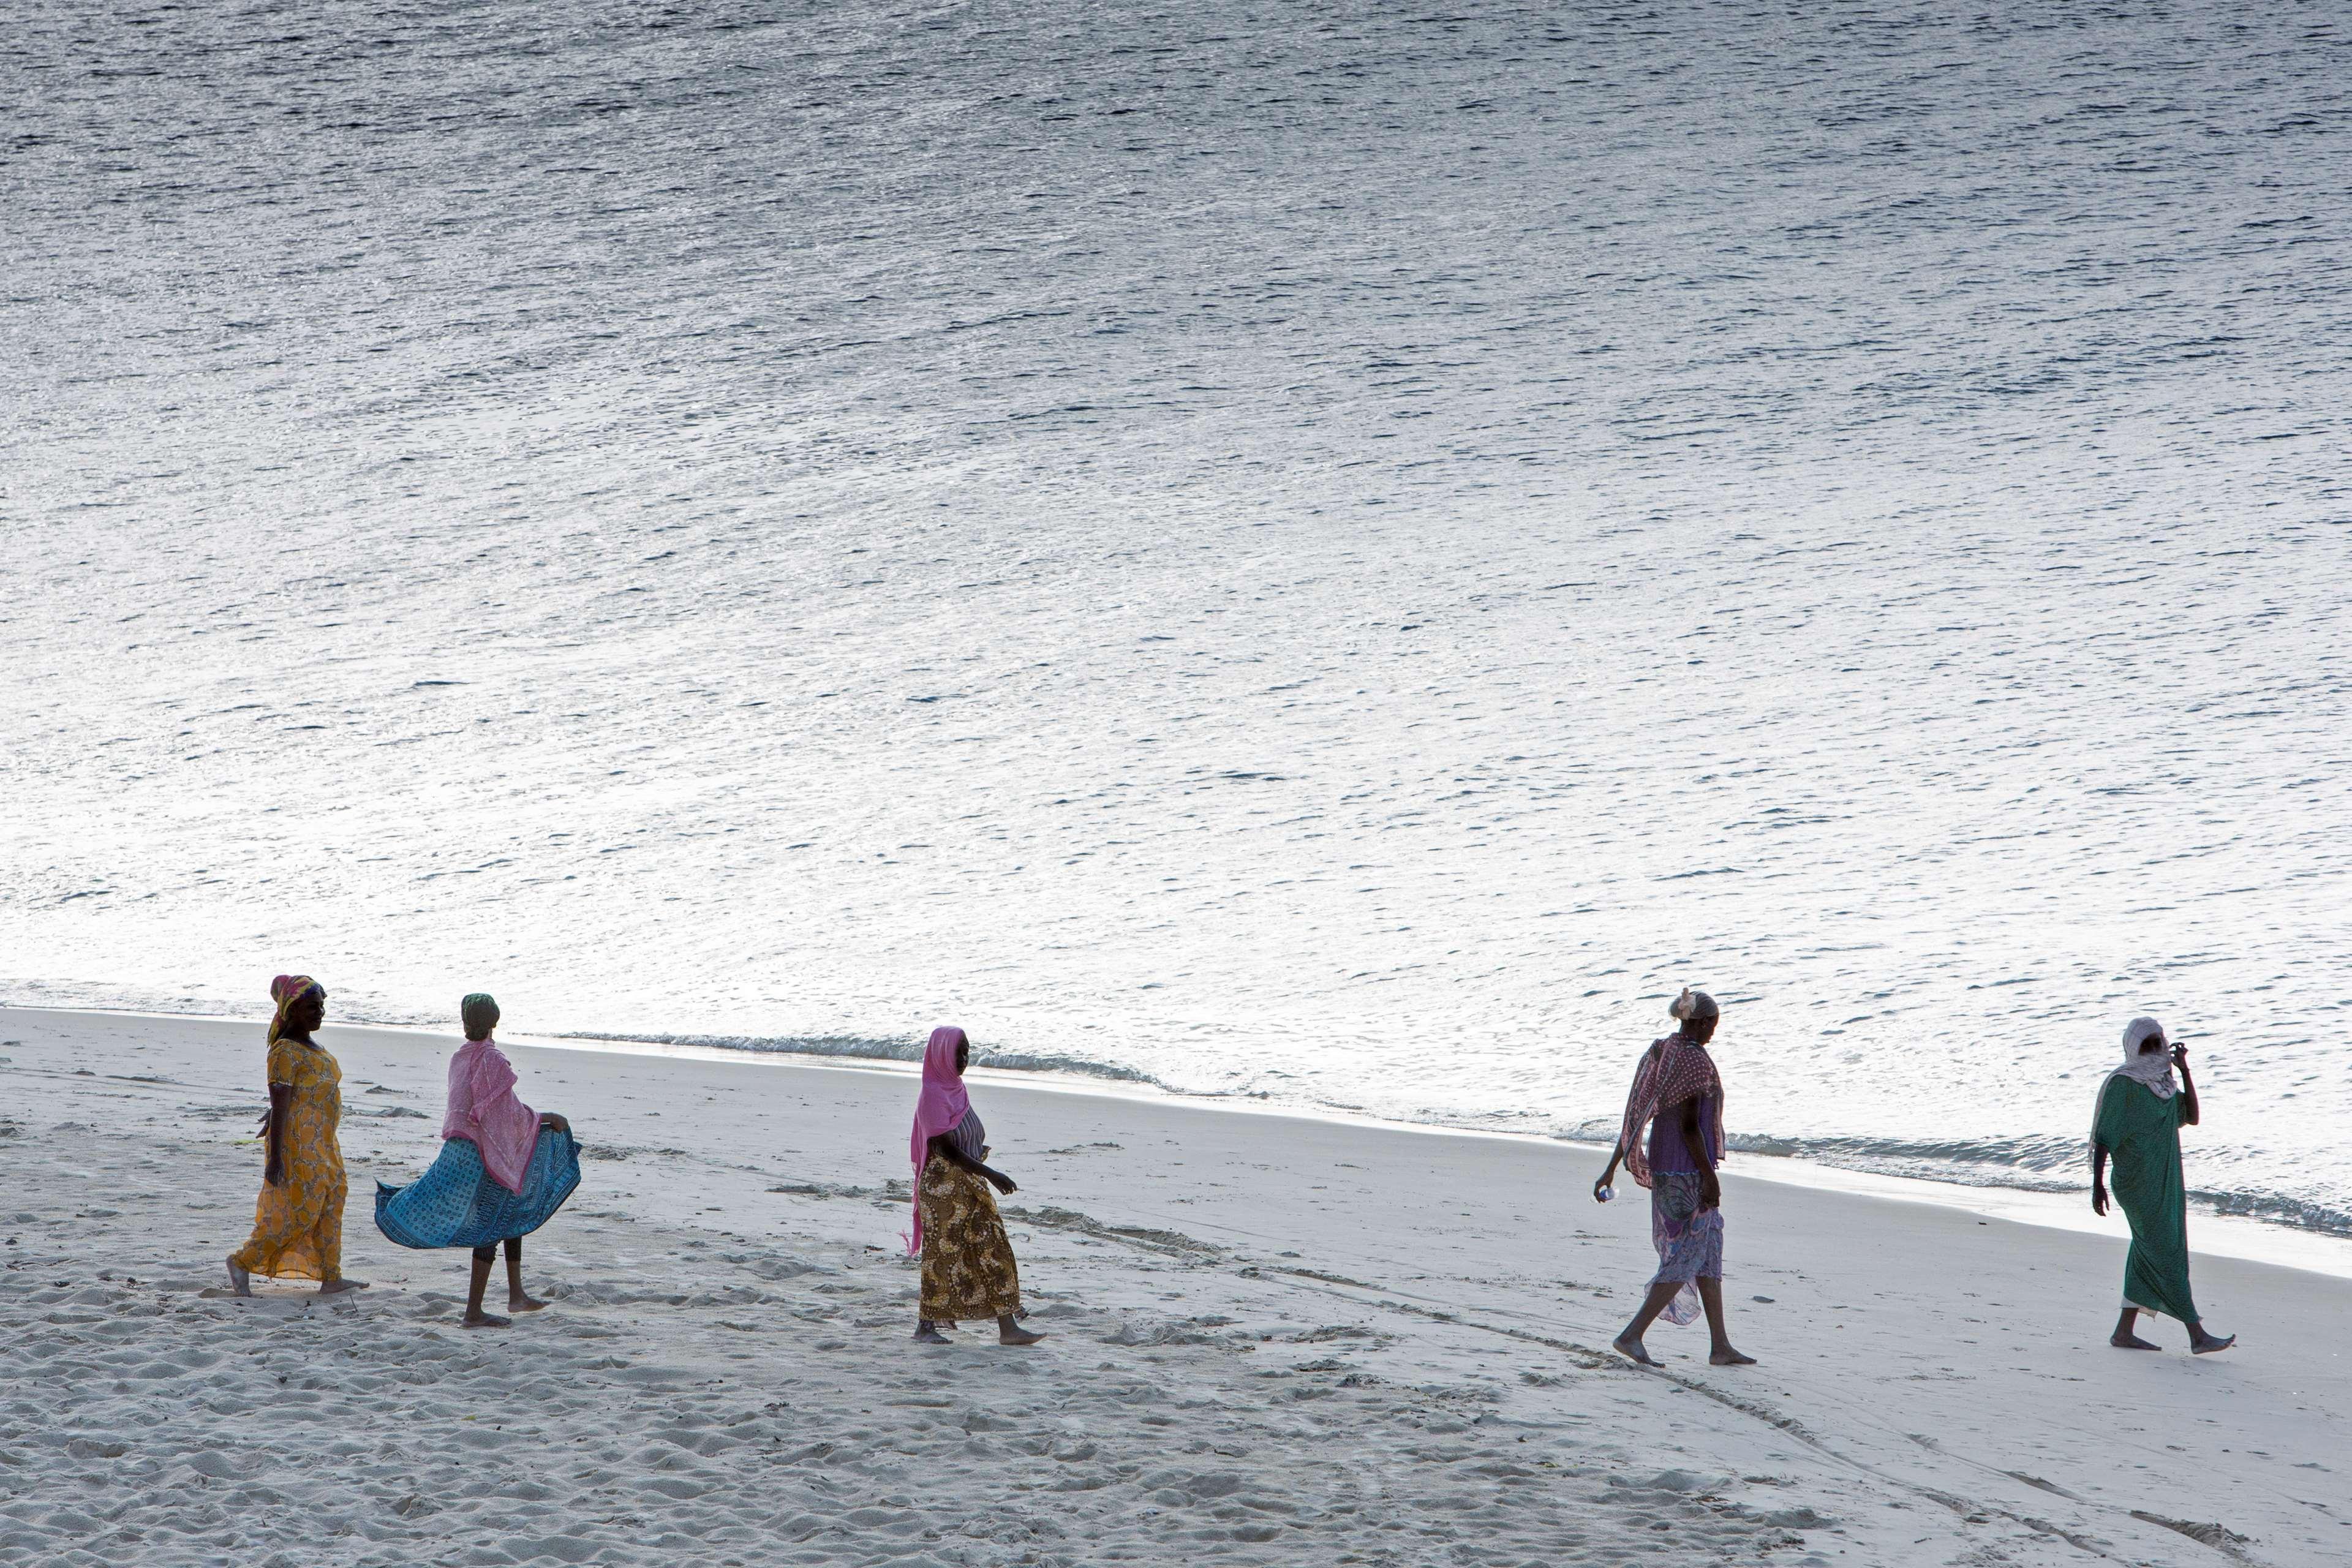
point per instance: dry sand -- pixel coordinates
(1273, 1341)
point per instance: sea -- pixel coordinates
(1331, 555)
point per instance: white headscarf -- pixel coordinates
(2152, 1070)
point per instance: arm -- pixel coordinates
(2098, 1179)
(1710, 1190)
(944, 1146)
(553, 1121)
(1616, 1155)
(273, 1132)
(2187, 1084)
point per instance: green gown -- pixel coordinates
(2141, 1133)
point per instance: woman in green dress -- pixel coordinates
(2141, 1112)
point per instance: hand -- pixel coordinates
(553, 1123)
(1005, 1185)
(1599, 1181)
(263, 1131)
(1710, 1193)
(2099, 1199)
(273, 1175)
(2180, 1057)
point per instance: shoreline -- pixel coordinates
(2245, 1237)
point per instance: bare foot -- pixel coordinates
(485, 1320)
(2124, 1342)
(1631, 1347)
(1727, 1356)
(928, 1334)
(2206, 1345)
(337, 1287)
(520, 1303)
(240, 1283)
(1017, 1336)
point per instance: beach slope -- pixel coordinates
(1272, 1340)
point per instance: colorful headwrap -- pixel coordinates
(479, 1012)
(287, 990)
(941, 1104)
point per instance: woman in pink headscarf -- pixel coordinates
(503, 1171)
(968, 1268)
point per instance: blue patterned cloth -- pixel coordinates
(455, 1204)
(1689, 1239)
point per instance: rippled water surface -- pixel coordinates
(1320, 552)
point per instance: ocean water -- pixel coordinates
(1335, 554)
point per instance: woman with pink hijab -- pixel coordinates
(504, 1170)
(968, 1268)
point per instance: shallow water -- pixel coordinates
(1309, 552)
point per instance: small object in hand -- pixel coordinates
(1605, 1193)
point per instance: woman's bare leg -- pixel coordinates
(2124, 1339)
(517, 1298)
(240, 1283)
(1719, 1350)
(926, 1332)
(2203, 1344)
(1629, 1343)
(1009, 1331)
(475, 1317)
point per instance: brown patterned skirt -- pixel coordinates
(968, 1270)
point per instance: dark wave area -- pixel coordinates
(2031, 1163)
(860, 1048)
(2036, 1164)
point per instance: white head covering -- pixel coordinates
(2151, 1070)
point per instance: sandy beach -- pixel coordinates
(1272, 1341)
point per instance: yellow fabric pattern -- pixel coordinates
(297, 1225)
(968, 1275)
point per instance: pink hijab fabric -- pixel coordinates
(484, 1111)
(937, 1109)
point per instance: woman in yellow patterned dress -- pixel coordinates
(298, 1222)
(968, 1274)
